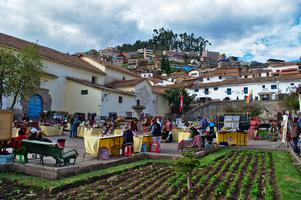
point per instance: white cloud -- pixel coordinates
(263, 28)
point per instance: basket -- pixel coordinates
(6, 159)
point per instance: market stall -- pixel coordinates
(94, 144)
(82, 131)
(233, 129)
(183, 136)
(53, 130)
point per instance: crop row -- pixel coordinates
(238, 175)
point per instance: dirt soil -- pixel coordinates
(153, 181)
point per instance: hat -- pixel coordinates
(34, 130)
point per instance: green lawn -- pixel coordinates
(288, 177)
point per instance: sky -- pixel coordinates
(250, 29)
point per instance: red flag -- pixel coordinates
(181, 103)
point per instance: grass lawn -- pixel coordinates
(288, 177)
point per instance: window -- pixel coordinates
(292, 84)
(246, 90)
(94, 79)
(216, 88)
(263, 86)
(278, 70)
(138, 102)
(206, 91)
(273, 87)
(208, 79)
(220, 77)
(120, 99)
(196, 90)
(84, 92)
(229, 91)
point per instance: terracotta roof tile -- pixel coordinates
(125, 83)
(159, 90)
(98, 86)
(282, 64)
(113, 67)
(48, 53)
(248, 80)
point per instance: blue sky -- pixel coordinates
(252, 30)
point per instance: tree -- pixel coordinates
(27, 74)
(8, 63)
(291, 101)
(165, 64)
(186, 165)
(163, 39)
(174, 94)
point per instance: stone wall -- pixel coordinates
(237, 106)
(44, 93)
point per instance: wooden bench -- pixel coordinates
(44, 149)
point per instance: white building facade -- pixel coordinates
(240, 89)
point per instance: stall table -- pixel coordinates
(52, 130)
(233, 138)
(87, 131)
(94, 143)
(141, 139)
(183, 136)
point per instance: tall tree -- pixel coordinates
(174, 95)
(165, 65)
(8, 62)
(163, 39)
(27, 74)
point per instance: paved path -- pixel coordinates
(166, 148)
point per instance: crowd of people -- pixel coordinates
(161, 129)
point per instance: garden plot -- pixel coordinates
(235, 175)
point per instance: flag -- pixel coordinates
(181, 103)
(250, 97)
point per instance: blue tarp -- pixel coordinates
(186, 67)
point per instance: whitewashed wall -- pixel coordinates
(238, 90)
(274, 69)
(110, 103)
(111, 74)
(57, 87)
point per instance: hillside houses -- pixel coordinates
(82, 84)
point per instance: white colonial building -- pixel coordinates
(262, 88)
(81, 84)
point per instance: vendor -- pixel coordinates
(128, 136)
(33, 134)
(156, 131)
(167, 132)
(193, 130)
(17, 143)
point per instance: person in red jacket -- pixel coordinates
(17, 143)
